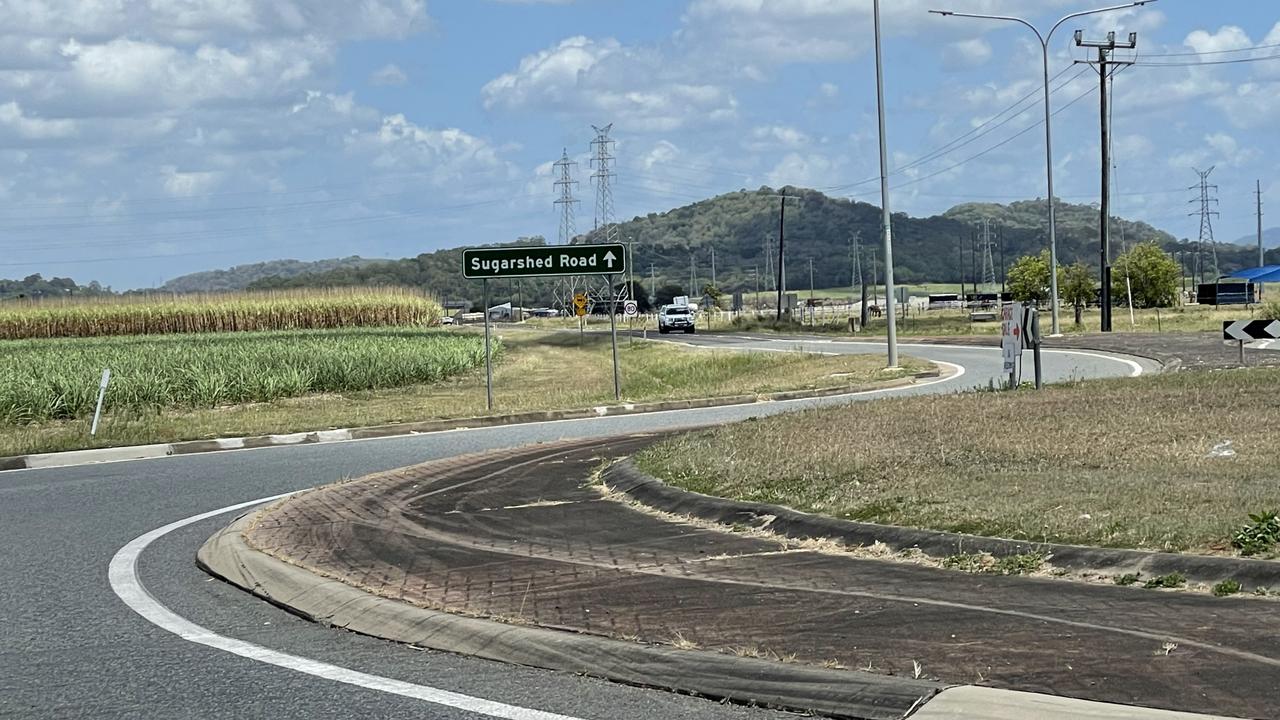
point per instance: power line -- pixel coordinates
(995, 147)
(1214, 52)
(948, 146)
(1208, 62)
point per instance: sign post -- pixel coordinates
(1031, 338)
(1243, 331)
(613, 337)
(488, 359)
(1011, 339)
(631, 308)
(522, 261)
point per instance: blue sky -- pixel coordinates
(142, 139)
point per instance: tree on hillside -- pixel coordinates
(665, 293)
(1028, 278)
(1077, 287)
(638, 293)
(1153, 274)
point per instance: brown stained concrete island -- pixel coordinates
(524, 537)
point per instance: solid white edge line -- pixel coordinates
(123, 576)
(1135, 368)
(122, 573)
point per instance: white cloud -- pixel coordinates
(197, 21)
(186, 184)
(125, 76)
(33, 128)
(823, 30)
(389, 74)
(1228, 37)
(775, 136)
(603, 78)
(1219, 149)
(967, 53)
(811, 170)
(446, 155)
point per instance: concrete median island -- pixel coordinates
(578, 580)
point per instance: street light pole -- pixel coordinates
(1048, 130)
(892, 339)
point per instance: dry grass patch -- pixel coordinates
(1117, 463)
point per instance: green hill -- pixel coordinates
(242, 276)
(742, 227)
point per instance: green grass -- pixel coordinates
(58, 379)
(1116, 463)
(367, 377)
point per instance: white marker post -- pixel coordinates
(102, 393)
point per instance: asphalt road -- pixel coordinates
(69, 647)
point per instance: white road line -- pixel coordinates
(123, 575)
(497, 428)
(1133, 366)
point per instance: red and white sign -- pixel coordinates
(1011, 334)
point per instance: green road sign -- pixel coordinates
(535, 261)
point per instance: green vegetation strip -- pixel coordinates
(186, 387)
(58, 379)
(1169, 462)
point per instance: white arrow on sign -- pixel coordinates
(609, 257)
(1236, 330)
(1239, 330)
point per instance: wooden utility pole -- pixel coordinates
(1104, 68)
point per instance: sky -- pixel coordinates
(144, 139)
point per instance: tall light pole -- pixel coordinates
(1048, 131)
(884, 200)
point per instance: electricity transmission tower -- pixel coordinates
(602, 162)
(566, 287)
(988, 264)
(1207, 201)
(564, 187)
(855, 263)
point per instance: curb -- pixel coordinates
(191, 447)
(628, 479)
(845, 694)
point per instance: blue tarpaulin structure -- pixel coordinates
(1264, 274)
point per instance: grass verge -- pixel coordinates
(538, 371)
(1169, 462)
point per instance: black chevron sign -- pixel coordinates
(1250, 329)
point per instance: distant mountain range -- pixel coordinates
(741, 228)
(1270, 239)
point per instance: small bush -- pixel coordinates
(1126, 579)
(985, 563)
(1225, 588)
(1023, 564)
(1260, 536)
(1170, 581)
